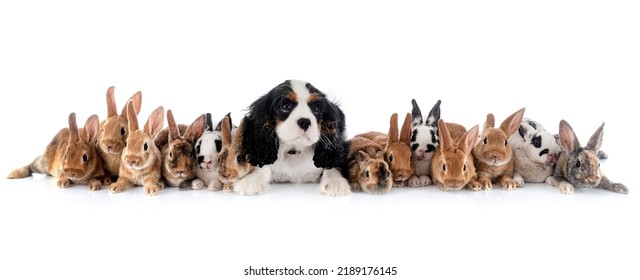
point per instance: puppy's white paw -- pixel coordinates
(251, 185)
(335, 186)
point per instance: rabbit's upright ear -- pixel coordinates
(195, 129)
(469, 139)
(226, 131)
(595, 142)
(239, 133)
(155, 122)
(136, 99)
(416, 114)
(405, 132)
(445, 136)
(91, 129)
(511, 123)
(434, 115)
(393, 130)
(568, 140)
(74, 135)
(111, 103)
(132, 117)
(174, 133)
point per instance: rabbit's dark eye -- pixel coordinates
(390, 158)
(464, 167)
(189, 154)
(145, 147)
(122, 131)
(485, 141)
(170, 153)
(505, 142)
(444, 167)
(578, 164)
(85, 158)
(239, 159)
(367, 174)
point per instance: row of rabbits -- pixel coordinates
(431, 150)
(119, 153)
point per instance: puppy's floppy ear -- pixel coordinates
(260, 140)
(331, 150)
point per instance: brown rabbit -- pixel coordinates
(368, 171)
(579, 167)
(178, 159)
(141, 159)
(113, 133)
(232, 161)
(452, 166)
(493, 155)
(70, 156)
(397, 153)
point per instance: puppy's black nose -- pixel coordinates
(304, 123)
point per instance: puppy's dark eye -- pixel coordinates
(85, 158)
(390, 158)
(122, 131)
(286, 106)
(484, 141)
(367, 174)
(239, 159)
(315, 108)
(145, 147)
(578, 164)
(464, 167)
(444, 167)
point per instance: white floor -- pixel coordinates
(530, 233)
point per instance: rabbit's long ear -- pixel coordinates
(405, 132)
(596, 140)
(445, 137)
(469, 139)
(239, 133)
(568, 140)
(91, 129)
(111, 103)
(490, 122)
(511, 123)
(74, 135)
(393, 129)
(174, 133)
(136, 98)
(226, 131)
(195, 129)
(434, 115)
(132, 117)
(416, 114)
(208, 122)
(155, 122)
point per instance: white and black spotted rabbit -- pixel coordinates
(424, 141)
(536, 152)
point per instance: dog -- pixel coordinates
(294, 134)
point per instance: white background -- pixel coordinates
(576, 60)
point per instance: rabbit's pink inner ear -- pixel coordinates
(393, 129)
(132, 118)
(595, 142)
(136, 99)
(174, 133)
(91, 129)
(490, 122)
(226, 131)
(445, 137)
(111, 103)
(405, 133)
(469, 139)
(568, 139)
(155, 122)
(510, 124)
(196, 129)
(73, 128)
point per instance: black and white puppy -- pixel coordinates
(294, 134)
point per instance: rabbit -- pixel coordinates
(424, 141)
(452, 166)
(208, 149)
(579, 167)
(367, 169)
(396, 149)
(71, 157)
(141, 159)
(536, 151)
(493, 156)
(233, 164)
(176, 142)
(113, 133)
